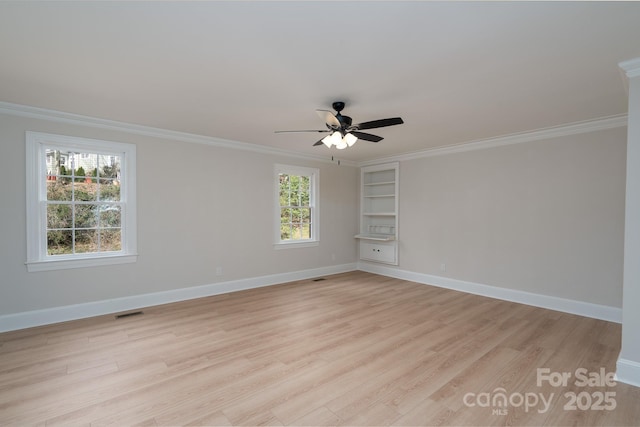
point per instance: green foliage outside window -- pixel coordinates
(295, 209)
(83, 214)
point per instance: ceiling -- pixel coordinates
(455, 72)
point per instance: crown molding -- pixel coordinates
(517, 138)
(81, 120)
(610, 122)
(631, 67)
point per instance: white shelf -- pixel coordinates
(378, 237)
(379, 183)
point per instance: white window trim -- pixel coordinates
(37, 258)
(314, 185)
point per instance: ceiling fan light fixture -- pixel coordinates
(327, 141)
(333, 139)
(350, 139)
(337, 138)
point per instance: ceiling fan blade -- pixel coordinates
(329, 118)
(379, 123)
(367, 136)
(318, 143)
(312, 130)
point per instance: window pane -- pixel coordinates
(305, 215)
(304, 182)
(86, 216)
(305, 231)
(285, 215)
(285, 231)
(304, 190)
(109, 190)
(110, 216)
(59, 242)
(58, 164)
(59, 191)
(87, 166)
(86, 241)
(81, 166)
(84, 192)
(301, 231)
(110, 240)
(108, 166)
(295, 190)
(296, 215)
(284, 189)
(59, 216)
(295, 231)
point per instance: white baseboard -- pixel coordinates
(596, 311)
(628, 372)
(11, 322)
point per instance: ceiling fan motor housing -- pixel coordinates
(345, 121)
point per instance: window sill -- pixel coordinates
(68, 263)
(293, 245)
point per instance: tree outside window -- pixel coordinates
(297, 208)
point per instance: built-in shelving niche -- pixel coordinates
(379, 213)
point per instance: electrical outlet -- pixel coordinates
(443, 267)
(218, 271)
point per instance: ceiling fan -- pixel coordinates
(342, 133)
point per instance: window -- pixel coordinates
(80, 202)
(297, 207)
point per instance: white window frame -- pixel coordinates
(314, 188)
(37, 257)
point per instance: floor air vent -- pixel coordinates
(319, 279)
(134, 313)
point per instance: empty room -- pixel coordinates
(364, 213)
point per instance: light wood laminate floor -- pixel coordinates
(354, 349)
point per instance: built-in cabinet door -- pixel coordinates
(378, 252)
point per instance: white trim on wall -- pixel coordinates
(631, 67)
(29, 319)
(581, 308)
(628, 372)
(534, 135)
(80, 120)
(518, 138)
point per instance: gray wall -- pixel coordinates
(199, 207)
(545, 217)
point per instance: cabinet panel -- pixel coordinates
(379, 252)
